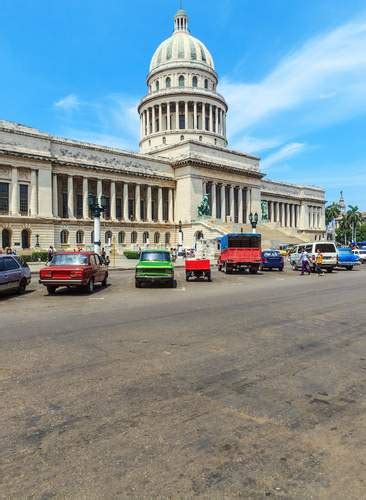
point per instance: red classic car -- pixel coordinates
(74, 269)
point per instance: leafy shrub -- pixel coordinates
(131, 254)
(35, 257)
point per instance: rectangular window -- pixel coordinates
(65, 212)
(119, 208)
(79, 206)
(107, 208)
(181, 122)
(4, 198)
(23, 199)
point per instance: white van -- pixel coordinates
(327, 249)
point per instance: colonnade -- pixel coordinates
(183, 115)
(124, 201)
(228, 202)
(19, 196)
(284, 213)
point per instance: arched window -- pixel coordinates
(200, 138)
(206, 83)
(145, 237)
(157, 85)
(121, 237)
(167, 238)
(108, 237)
(168, 82)
(133, 237)
(182, 137)
(194, 82)
(6, 238)
(25, 238)
(64, 237)
(164, 140)
(156, 237)
(79, 237)
(181, 81)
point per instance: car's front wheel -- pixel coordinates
(137, 284)
(105, 281)
(90, 286)
(51, 290)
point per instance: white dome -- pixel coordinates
(181, 47)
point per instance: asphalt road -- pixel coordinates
(249, 385)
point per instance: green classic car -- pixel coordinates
(155, 266)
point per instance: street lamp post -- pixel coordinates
(37, 240)
(180, 239)
(96, 209)
(253, 219)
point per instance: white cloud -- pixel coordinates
(68, 103)
(326, 75)
(251, 144)
(283, 153)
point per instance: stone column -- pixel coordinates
(240, 205)
(177, 115)
(186, 115)
(195, 124)
(288, 214)
(160, 117)
(70, 196)
(168, 116)
(223, 203)
(302, 217)
(217, 120)
(54, 195)
(137, 202)
(204, 188)
(153, 120)
(203, 117)
(113, 200)
(148, 203)
(170, 205)
(282, 218)
(160, 204)
(249, 203)
(213, 200)
(211, 118)
(33, 194)
(232, 206)
(14, 191)
(125, 201)
(85, 198)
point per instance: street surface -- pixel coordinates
(249, 385)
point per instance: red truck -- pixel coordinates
(239, 251)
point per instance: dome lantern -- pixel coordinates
(181, 21)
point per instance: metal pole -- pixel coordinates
(97, 233)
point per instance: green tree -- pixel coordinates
(332, 212)
(354, 218)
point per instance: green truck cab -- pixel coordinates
(155, 266)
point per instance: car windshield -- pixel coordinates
(69, 260)
(155, 256)
(271, 253)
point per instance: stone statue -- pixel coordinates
(265, 215)
(203, 207)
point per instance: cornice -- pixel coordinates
(196, 162)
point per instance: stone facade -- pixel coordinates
(45, 180)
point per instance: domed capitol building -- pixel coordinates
(184, 155)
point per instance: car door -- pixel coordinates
(94, 262)
(13, 272)
(3, 276)
(100, 267)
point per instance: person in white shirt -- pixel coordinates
(305, 263)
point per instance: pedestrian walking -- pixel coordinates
(50, 253)
(318, 263)
(305, 263)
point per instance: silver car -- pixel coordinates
(15, 274)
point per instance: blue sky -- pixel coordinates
(293, 73)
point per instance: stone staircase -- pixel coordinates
(272, 234)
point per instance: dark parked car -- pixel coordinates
(15, 274)
(272, 259)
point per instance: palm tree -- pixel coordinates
(332, 212)
(354, 218)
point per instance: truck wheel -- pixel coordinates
(209, 276)
(51, 290)
(219, 267)
(253, 270)
(228, 269)
(22, 286)
(187, 276)
(349, 268)
(137, 284)
(329, 269)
